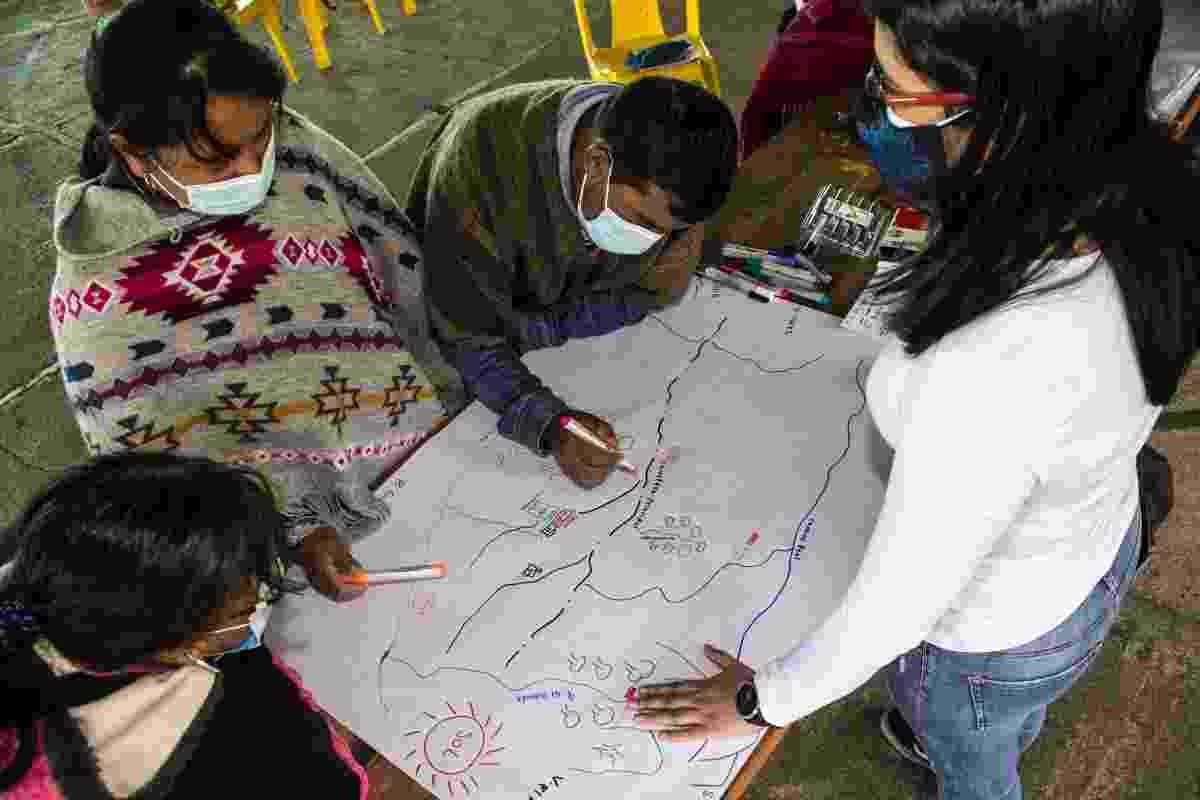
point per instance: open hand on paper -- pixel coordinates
(325, 557)
(683, 711)
(584, 463)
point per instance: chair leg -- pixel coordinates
(311, 14)
(274, 26)
(375, 16)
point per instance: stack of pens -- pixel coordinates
(773, 276)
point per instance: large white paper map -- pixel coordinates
(759, 486)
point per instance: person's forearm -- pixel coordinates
(505, 385)
(592, 315)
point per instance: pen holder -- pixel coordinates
(857, 225)
(845, 221)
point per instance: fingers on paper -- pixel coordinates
(666, 695)
(692, 733)
(719, 656)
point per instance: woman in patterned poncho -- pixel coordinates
(283, 329)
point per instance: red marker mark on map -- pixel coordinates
(753, 538)
(631, 695)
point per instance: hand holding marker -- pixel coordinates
(420, 572)
(570, 425)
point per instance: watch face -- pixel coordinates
(747, 700)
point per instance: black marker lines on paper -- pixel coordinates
(500, 682)
(735, 753)
(682, 658)
(499, 536)
(503, 586)
(589, 572)
(658, 319)
(767, 370)
(825, 487)
(548, 622)
(728, 773)
(698, 590)
(657, 769)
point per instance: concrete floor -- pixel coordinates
(1132, 729)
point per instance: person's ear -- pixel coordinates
(599, 159)
(138, 165)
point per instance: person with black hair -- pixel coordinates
(234, 282)
(1033, 345)
(131, 662)
(558, 210)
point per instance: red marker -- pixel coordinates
(631, 695)
(753, 538)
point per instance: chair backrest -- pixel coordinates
(635, 19)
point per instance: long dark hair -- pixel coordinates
(121, 558)
(150, 74)
(1062, 95)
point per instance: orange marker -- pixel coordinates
(421, 572)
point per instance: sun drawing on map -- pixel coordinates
(453, 747)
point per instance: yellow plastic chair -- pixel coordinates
(410, 7)
(316, 21)
(637, 24)
(268, 11)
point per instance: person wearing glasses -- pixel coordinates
(559, 210)
(904, 132)
(234, 282)
(1032, 346)
(131, 655)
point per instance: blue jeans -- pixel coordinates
(976, 713)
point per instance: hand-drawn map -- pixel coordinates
(760, 479)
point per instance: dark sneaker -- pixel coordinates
(902, 739)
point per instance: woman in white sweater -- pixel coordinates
(1034, 345)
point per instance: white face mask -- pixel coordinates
(609, 231)
(232, 196)
(903, 123)
(254, 630)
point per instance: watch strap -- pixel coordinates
(754, 717)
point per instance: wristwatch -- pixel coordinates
(747, 705)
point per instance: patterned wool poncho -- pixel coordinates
(293, 337)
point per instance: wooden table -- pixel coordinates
(771, 193)
(776, 185)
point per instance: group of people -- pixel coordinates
(252, 331)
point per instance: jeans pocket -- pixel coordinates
(996, 701)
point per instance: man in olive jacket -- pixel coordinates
(557, 210)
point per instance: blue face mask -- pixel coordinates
(909, 157)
